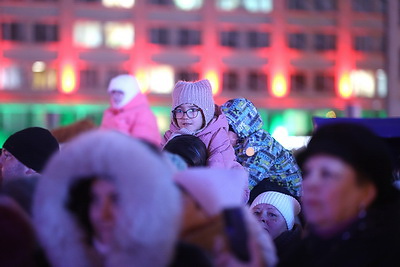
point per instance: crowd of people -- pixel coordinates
(215, 189)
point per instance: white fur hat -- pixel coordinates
(198, 93)
(287, 205)
(127, 84)
(212, 188)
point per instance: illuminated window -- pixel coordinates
(89, 79)
(264, 6)
(324, 42)
(229, 38)
(13, 31)
(258, 39)
(188, 37)
(45, 32)
(119, 3)
(368, 44)
(159, 36)
(44, 78)
(297, 83)
(118, 35)
(187, 76)
(230, 81)
(11, 78)
(188, 4)
(258, 5)
(297, 4)
(161, 80)
(88, 34)
(325, 5)
(297, 41)
(324, 83)
(228, 5)
(363, 83)
(257, 81)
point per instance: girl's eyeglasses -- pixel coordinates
(190, 113)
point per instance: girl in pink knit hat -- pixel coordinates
(194, 112)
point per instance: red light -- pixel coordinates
(345, 90)
(68, 79)
(212, 76)
(279, 86)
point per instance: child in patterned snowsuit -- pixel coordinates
(261, 155)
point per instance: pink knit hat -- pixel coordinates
(198, 93)
(212, 188)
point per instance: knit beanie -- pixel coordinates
(127, 84)
(32, 146)
(359, 147)
(287, 205)
(197, 93)
(212, 188)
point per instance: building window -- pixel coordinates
(11, 78)
(368, 44)
(89, 79)
(118, 35)
(188, 4)
(257, 82)
(230, 38)
(13, 31)
(253, 6)
(160, 2)
(111, 73)
(297, 41)
(230, 81)
(323, 42)
(258, 39)
(187, 76)
(297, 4)
(45, 32)
(44, 78)
(324, 83)
(88, 34)
(369, 6)
(298, 83)
(159, 36)
(188, 37)
(325, 5)
(258, 5)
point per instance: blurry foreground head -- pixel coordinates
(190, 148)
(346, 169)
(32, 147)
(147, 202)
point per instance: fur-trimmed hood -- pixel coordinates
(149, 203)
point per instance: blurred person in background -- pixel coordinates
(129, 110)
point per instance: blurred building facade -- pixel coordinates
(293, 58)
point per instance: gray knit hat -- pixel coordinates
(198, 93)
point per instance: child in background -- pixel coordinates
(194, 112)
(130, 111)
(257, 150)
